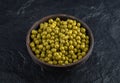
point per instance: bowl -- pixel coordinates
(59, 67)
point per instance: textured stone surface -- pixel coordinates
(17, 16)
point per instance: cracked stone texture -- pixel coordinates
(17, 16)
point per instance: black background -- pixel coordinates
(17, 16)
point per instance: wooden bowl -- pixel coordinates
(59, 67)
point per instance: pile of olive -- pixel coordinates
(59, 42)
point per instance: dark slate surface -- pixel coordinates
(17, 16)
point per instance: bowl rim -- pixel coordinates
(53, 16)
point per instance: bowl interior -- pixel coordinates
(62, 17)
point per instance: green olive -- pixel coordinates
(74, 22)
(53, 49)
(41, 25)
(45, 24)
(62, 41)
(83, 40)
(75, 27)
(45, 32)
(87, 46)
(47, 59)
(75, 60)
(70, 60)
(71, 37)
(52, 37)
(53, 33)
(56, 40)
(75, 50)
(67, 43)
(53, 25)
(48, 36)
(33, 36)
(83, 30)
(32, 44)
(61, 48)
(78, 24)
(38, 36)
(39, 46)
(75, 43)
(58, 57)
(66, 29)
(37, 51)
(87, 41)
(66, 58)
(51, 41)
(47, 47)
(78, 41)
(45, 43)
(66, 62)
(42, 54)
(70, 32)
(66, 48)
(79, 57)
(37, 55)
(41, 59)
(70, 42)
(70, 21)
(87, 37)
(50, 62)
(63, 58)
(63, 30)
(74, 32)
(60, 62)
(56, 46)
(44, 49)
(58, 24)
(82, 46)
(79, 51)
(54, 62)
(78, 38)
(69, 55)
(85, 49)
(33, 49)
(57, 19)
(35, 39)
(64, 22)
(83, 54)
(48, 51)
(64, 26)
(71, 52)
(50, 20)
(71, 47)
(52, 45)
(66, 53)
(74, 56)
(69, 26)
(83, 36)
(78, 46)
(49, 30)
(39, 30)
(43, 36)
(34, 32)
